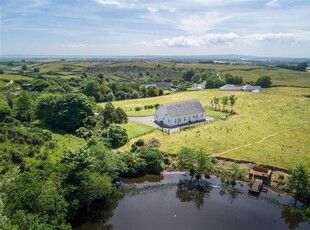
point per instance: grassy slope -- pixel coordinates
(14, 77)
(135, 129)
(64, 142)
(259, 115)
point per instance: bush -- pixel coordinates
(2, 138)
(138, 108)
(117, 136)
(153, 159)
(16, 156)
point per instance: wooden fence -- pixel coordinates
(184, 127)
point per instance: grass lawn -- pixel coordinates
(14, 77)
(270, 128)
(216, 114)
(135, 129)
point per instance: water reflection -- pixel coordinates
(196, 193)
(168, 203)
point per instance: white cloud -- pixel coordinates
(200, 23)
(296, 37)
(76, 45)
(198, 41)
(136, 5)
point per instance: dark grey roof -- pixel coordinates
(163, 85)
(230, 87)
(184, 108)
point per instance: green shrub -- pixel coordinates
(138, 108)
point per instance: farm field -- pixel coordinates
(270, 128)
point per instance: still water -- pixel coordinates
(162, 203)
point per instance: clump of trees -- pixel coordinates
(196, 162)
(230, 79)
(299, 183)
(299, 67)
(264, 81)
(64, 112)
(231, 100)
(230, 176)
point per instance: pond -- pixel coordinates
(161, 202)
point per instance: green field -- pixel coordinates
(270, 128)
(134, 129)
(14, 77)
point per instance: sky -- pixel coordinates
(277, 28)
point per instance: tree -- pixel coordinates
(45, 107)
(135, 95)
(224, 102)
(216, 101)
(39, 85)
(117, 136)
(195, 161)
(91, 88)
(298, 181)
(232, 101)
(5, 109)
(230, 177)
(120, 95)
(110, 97)
(24, 67)
(23, 107)
(70, 111)
(100, 76)
(121, 116)
(1, 71)
(108, 113)
(264, 81)
(33, 203)
(36, 70)
(152, 91)
(152, 158)
(188, 75)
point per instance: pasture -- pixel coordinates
(269, 128)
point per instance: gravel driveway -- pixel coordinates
(147, 120)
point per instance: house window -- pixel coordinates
(168, 120)
(201, 115)
(166, 114)
(175, 120)
(184, 118)
(196, 116)
(163, 118)
(156, 116)
(193, 116)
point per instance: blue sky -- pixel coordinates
(158, 27)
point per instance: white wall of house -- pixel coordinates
(161, 116)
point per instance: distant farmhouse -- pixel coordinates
(160, 85)
(246, 88)
(199, 86)
(180, 113)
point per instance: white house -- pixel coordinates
(180, 113)
(246, 88)
(199, 86)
